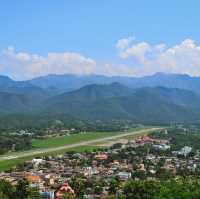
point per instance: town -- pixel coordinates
(160, 155)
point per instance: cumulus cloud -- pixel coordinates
(22, 65)
(148, 59)
(137, 51)
(124, 43)
(136, 59)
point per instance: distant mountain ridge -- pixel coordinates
(72, 82)
(160, 97)
(67, 82)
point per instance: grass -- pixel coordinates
(72, 139)
(75, 138)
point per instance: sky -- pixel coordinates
(109, 37)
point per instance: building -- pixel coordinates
(65, 188)
(185, 151)
(163, 147)
(101, 156)
(124, 175)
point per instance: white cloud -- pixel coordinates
(136, 59)
(23, 65)
(124, 43)
(137, 51)
(148, 59)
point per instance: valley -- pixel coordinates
(56, 146)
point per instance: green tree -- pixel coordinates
(78, 185)
(68, 196)
(22, 189)
(181, 189)
(3, 196)
(114, 185)
(6, 189)
(34, 193)
(111, 197)
(140, 189)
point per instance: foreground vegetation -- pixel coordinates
(188, 188)
(21, 191)
(173, 189)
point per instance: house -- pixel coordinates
(124, 175)
(101, 156)
(47, 194)
(89, 171)
(35, 180)
(185, 151)
(163, 147)
(65, 188)
(37, 161)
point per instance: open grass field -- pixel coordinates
(75, 138)
(71, 139)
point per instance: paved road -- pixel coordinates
(85, 143)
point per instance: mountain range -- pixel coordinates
(157, 98)
(72, 82)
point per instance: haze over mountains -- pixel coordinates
(157, 98)
(71, 82)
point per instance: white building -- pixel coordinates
(161, 146)
(185, 151)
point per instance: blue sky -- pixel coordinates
(92, 28)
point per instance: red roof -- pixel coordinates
(65, 188)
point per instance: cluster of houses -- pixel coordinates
(51, 175)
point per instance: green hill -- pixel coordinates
(115, 101)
